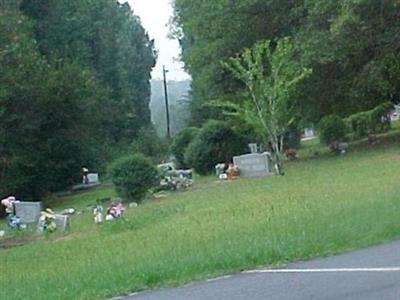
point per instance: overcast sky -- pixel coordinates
(155, 15)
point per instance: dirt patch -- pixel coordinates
(13, 242)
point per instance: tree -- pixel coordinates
(74, 90)
(49, 116)
(351, 45)
(270, 76)
(106, 37)
(212, 31)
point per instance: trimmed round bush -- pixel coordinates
(133, 176)
(181, 142)
(216, 142)
(332, 128)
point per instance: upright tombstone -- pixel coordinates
(253, 148)
(93, 178)
(309, 133)
(62, 222)
(28, 212)
(253, 164)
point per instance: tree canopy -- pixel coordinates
(351, 45)
(74, 87)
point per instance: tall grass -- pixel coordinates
(320, 207)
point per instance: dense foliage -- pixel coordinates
(133, 176)
(351, 46)
(150, 144)
(74, 87)
(216, 143)
(332, 129)
(181, 142)
(376, 120)
(104, 36)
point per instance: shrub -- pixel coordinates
(216, 142)
(368, 122)
(380, 119)
(331, 128)
(181, 142)
(359, 124)
(133, 175)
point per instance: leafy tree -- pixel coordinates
(213, 31)
(271, 77)
(104, 36)
(48, 116)
(351, 46)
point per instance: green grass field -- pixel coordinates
(322, 206)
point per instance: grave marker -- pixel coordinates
(28, 212)
(253, 164)
(62, 222)
(93, 178)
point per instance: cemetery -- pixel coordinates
(272, 139)
(229, 214)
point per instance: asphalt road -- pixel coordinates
(369, 274)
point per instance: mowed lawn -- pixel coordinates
(320, 207)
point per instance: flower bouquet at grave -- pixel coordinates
(12, 220)
(47, 221)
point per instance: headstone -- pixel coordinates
(62, 222)
(93, 178)
(28, 212)
(309, 132)
(253, 148)
(219, 169)
(253, 164)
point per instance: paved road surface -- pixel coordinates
(369, 274)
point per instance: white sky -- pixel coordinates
(155, 15)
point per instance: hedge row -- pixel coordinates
(333, 128)
(376, 120)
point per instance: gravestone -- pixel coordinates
(62, 222)
(253, 148)
(309, 133)
(28, 212)
(253, 164)
(93, 178)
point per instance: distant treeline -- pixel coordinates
(74, 90)
(178, 100)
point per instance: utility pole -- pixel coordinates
(166, 101)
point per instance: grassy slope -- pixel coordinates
(322, 206)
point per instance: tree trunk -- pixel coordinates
(278, 161)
